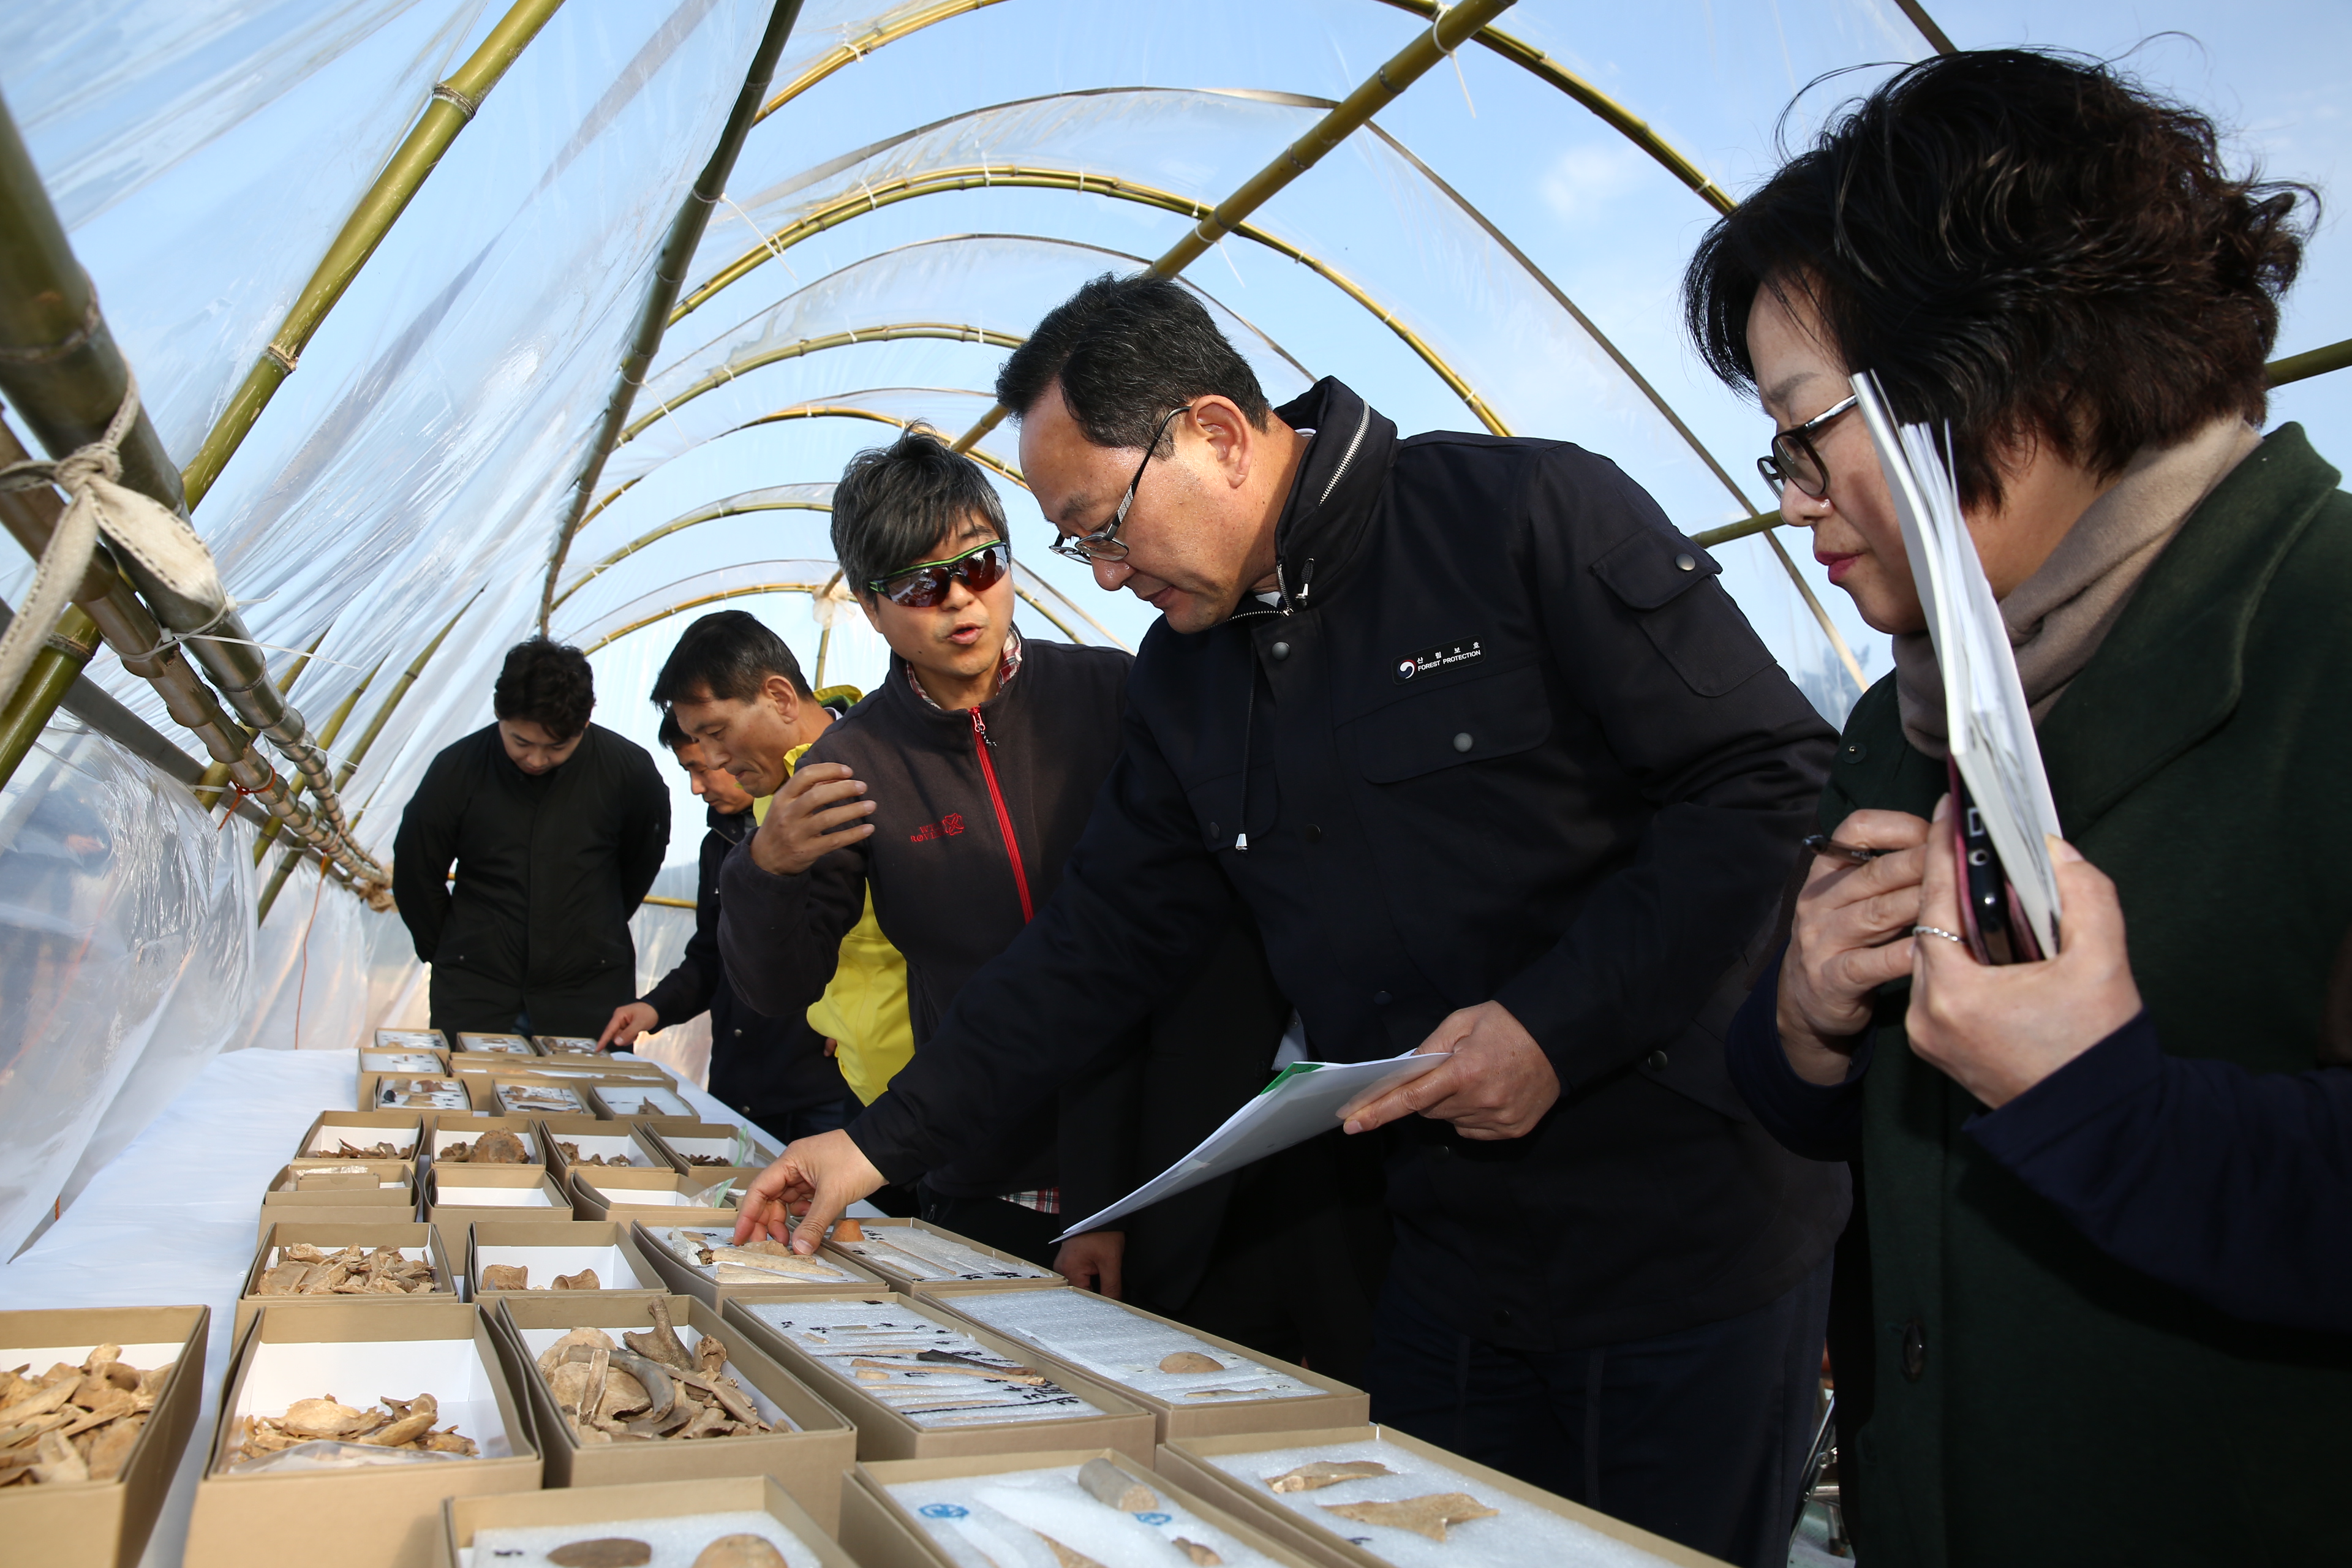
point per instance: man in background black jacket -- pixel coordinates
(1502, 772)
(774, 1071)
(557, 827)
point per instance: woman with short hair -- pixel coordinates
(2107, 1282)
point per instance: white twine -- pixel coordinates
(66, 560)
(765, 238)
(1435, 17)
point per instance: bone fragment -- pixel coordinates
(740, 1551)
(1114, 1488)
(1426, 1516)
(505, 1277)
(1065, 1556)
(1320, 1473)
(1198, 1554)
(1190, 1360)
(604, 1552)
(584, 1280)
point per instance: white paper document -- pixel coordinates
(1987, 718)
(1305, 1099)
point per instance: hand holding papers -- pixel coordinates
(1305, 1099)
(2005, 811)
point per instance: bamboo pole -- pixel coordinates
(855, 49)
(35, 701)
(327, 733)
(449, 111)
(2310, 363)
(701, 514)
(670, 272)
(894, 332)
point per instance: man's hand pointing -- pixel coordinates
(817, 1178)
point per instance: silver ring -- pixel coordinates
(1938, 930)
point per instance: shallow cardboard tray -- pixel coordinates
(606, 1193)
(1182, 1463)
(377, 1517)
(412, 1237)
(368, 1082)
(627, 1101)
(383, 1058)
(1338, 1405)
(879, 1532)
(474, 1043)
(604, 1069)
(422, 1040)
(105, 1524)
(689, 1280)
(884, 1433)
(734, 1143)
(334, 1203)
(595, 1135)
(496, 1086)
(809, 1461)
(457, 1196)
(451, 1127)
(903, 1281)
(566, 1045)
(554, 1246)
(608, 1510)
(404, 1129)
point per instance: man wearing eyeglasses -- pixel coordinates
(953, 795)
(1503, 773)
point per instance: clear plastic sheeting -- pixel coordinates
(126, 924)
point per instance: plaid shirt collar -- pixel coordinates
(1007, 667)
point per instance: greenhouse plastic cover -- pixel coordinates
(888, 231)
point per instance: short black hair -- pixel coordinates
(1126, 350)
(548, 684)
(726, 656)
(671, 733)
(895, 502)
(2025, 246)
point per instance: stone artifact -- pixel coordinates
(305, 1270)
(1426, 1516)
(1063, 1556)
(1114, 1488)
(1190, 1360)
(388, 1424)
(1321, 1473)
(74, 1423)
(346, 1150)
(740, 1551)
(654, 1389)
(606, 1551)
(496, 1147)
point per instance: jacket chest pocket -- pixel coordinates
(1496, 715)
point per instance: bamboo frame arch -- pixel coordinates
(800, 348)
(710, 513)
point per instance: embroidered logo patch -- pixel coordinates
(946, 826)
(1444, 655)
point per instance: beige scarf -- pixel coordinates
(2057, 618)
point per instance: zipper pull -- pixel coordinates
(1307, 580)
(980, 730)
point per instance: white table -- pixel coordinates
(171, 1221)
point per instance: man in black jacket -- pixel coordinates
(774, 1072)
(557, 827)
(1502, 771)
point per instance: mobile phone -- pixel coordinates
(1996, 927)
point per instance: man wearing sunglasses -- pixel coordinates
(1503, 773)
(953, 795)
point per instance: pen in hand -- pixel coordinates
(1822, 844)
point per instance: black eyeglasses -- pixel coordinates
(1104, 543)
(1795, 461)
(921, 586)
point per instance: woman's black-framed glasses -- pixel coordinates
(920, 586)
(1795, 461)
(1104, 543)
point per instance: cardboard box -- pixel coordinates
(689, 1278)
(663, 1197)
(551, 1247)
(402, 1060)
(412, 1039)
(811, 1445)
(376, 1516)
(593, 1135)
(971, 1266)
(529, 1094)
(105, 1524)
(697, 1145)
(619, 1069)
(414, 1237)
(1331, 1403)
(312, 1193)
(457, 1196)
(1185, 1463)
(330, 1129)
(883, 1432)
(657, 1102)
(880, 1532)
(417, 1092)
(566, 1045)
(452, 1127)
(588, 1513)
(470, 1044)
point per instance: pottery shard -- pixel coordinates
(584, 1280)
(604, 1552)
(505, 1277)
(740, 1551)
(1198, 1554)
(1190, 1360)
(1321, 1473)
(1065, 1556)
(1426, 1516)
(323, 1418)
(583, 1340)
(1110, 1485)
(848, 1230)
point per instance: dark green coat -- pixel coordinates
(2067, 1409)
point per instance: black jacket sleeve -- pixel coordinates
(686, 991)
(1138, 908)
(780, 937)
(1820, 1122)
(2233, 1186)
(422, 852)
(644, 837)
(1714, 736)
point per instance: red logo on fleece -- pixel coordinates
(946, 826)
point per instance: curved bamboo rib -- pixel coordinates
(897, 332)
(742, 590)
(849, 54)
(678, 525)
(937, 181)
(851, 411)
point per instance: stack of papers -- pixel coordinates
(1986, 715)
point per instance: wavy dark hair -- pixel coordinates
(548, 684)
(2030, 247)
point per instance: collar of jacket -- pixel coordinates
(1331, 496)
(732, 825)
(2173, 668)
(901, 692)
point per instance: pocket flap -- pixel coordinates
(1653, 568)
(1467, 721)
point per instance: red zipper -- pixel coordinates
(982, 745)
